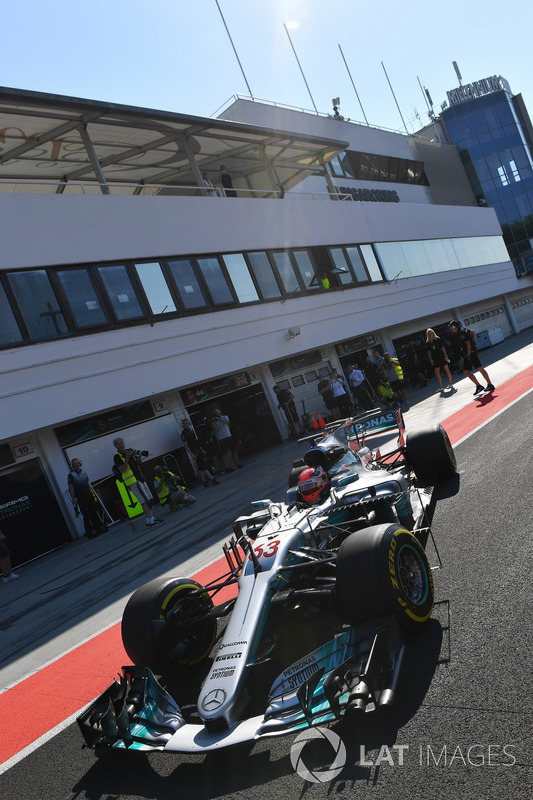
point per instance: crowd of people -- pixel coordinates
(383, 379)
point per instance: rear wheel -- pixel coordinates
(158, 628)
(384, 570)
(430, 454)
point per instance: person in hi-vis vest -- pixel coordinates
(129, 463)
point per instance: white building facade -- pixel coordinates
(131, 297)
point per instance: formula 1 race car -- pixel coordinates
(329, 582)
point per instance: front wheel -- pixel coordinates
(430, 454)
(158, 624)
(384, 570)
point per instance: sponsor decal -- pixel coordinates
(301, 665)
(228, 656)
(231, 644)
(213, 699)
(223, 672)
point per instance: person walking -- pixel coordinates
(128, 463)
(438, 358)
(464, 345)
(84, 499)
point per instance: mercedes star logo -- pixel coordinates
(213, 700)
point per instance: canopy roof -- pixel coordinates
(45, 137)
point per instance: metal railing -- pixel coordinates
(23, 186)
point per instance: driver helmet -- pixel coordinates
(313, 485)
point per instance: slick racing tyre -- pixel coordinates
(384, 570)
(158, 629)
(430, 454)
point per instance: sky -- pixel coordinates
(175, 55)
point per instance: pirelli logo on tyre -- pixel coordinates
(410, 576)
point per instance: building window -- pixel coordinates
(38, 304)
(216, 281)
(120, 292)
(371, 262)
(283, 262)
(81, 297)
(240, 277)
(9, 330)
(374, 167)
(357, 264)
(307, 270)
(264, 275)
(190, 292)
(155, 288)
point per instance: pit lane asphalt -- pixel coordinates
(463, 686)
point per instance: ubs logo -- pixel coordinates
(213, 700)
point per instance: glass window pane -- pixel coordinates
(357, 264)
(187, 283)
(38, 304)
(286, 271)
(371, 262)
(264, 275)
(216, 282)
(240, 277)
(156, 288)
(9, 330)
(340, 262)
(307, 271)
(82, 298)
(120, 292)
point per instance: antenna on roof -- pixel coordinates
(427, 98)
(353, 84)
(458, 73)
(392, 92)
(301, 70)
(234, 49)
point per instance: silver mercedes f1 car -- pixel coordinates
(330, 580)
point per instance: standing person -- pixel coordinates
(285, 400)
(128, 462)
(357, 381)
(84, 498)
(5, 561)
(438, 357)
(414, 368)
(340, 395)
(464, 345)
(198, 455)
(394, 374)
(211, 191)
(326, 393)
(226, 444)
(169, 491)
(227, 182)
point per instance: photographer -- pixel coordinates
(169, 491)
(128, 462)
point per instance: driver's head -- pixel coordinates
(313, 485)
